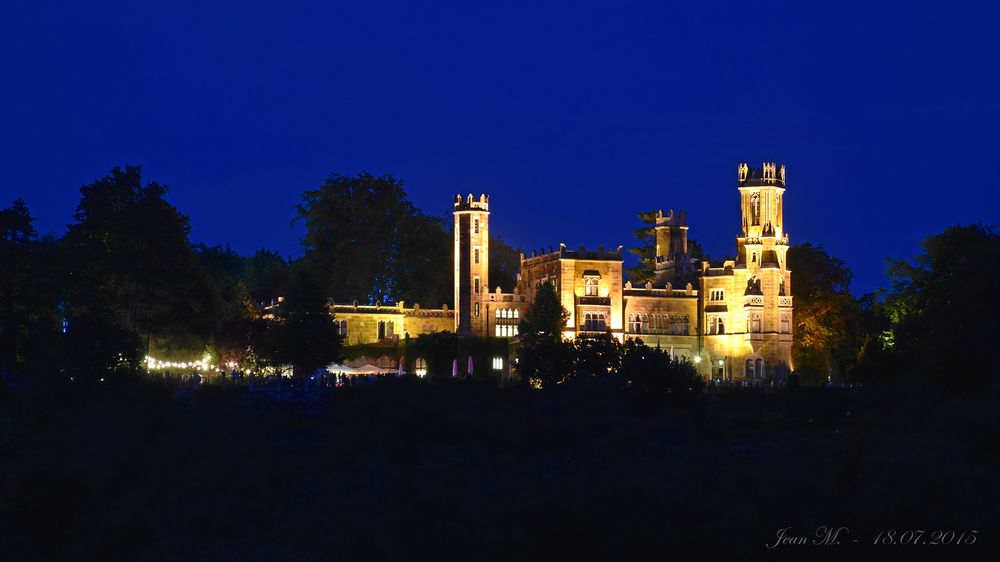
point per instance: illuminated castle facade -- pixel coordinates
(733, 319)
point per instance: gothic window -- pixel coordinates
(590, 285)
(420, 366)
(713, 324)
(632, 328)
(475, 283)
(475, 226)
(786, 325)
(644, 327)
(389, 329)
(749, 369)
(722, 325)
(381, 329)
(758, 370)
(475, 254)
(755, 209)
(755, 323)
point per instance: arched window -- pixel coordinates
(749, 369)
(722, 325)
(755, 209)
(786, 324)
(759, 369)
(755, 323)
(713, 325)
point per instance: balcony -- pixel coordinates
(753, 300)
(785, 302)
(594, 301)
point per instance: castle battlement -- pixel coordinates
(770, 173)
(670, 219)
(542, 255)
(470, 203)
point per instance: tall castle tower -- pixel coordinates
(671, 246)
(762, 247)
(472, 263)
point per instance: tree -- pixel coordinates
(131, 266)
(303, 334)
(365, 241)
(505, 264)
(827, 316)
(264, 275)
(28, 293)
(940, 307)
(652, 370)
(596, 357)
(644, 271)
(543, 358)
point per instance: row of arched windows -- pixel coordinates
(642, 323)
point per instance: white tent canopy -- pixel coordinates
(367, 369)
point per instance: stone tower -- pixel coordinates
(472, 263)
(671, 246)
(761, 250)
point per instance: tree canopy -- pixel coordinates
(366, 241)
(827, 316)
(940, 306)
(131, 264)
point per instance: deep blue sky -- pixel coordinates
(574, 117)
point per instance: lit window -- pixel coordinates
(420, 366)
(590, 286)
(755, 209)
(476, 307)
(498, 363)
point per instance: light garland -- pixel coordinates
(203, 364)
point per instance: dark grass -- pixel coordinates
(409, 470)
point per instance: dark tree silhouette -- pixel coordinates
(365, 241)
(302, 334)
(131, 265)
(543, 358)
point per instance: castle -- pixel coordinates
(732, 320)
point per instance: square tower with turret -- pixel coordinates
(472, 263)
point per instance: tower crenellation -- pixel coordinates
(770, 173)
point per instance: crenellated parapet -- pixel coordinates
(470, 203)
(770, 173)
(562, 252)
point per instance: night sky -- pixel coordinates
(573, 117)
